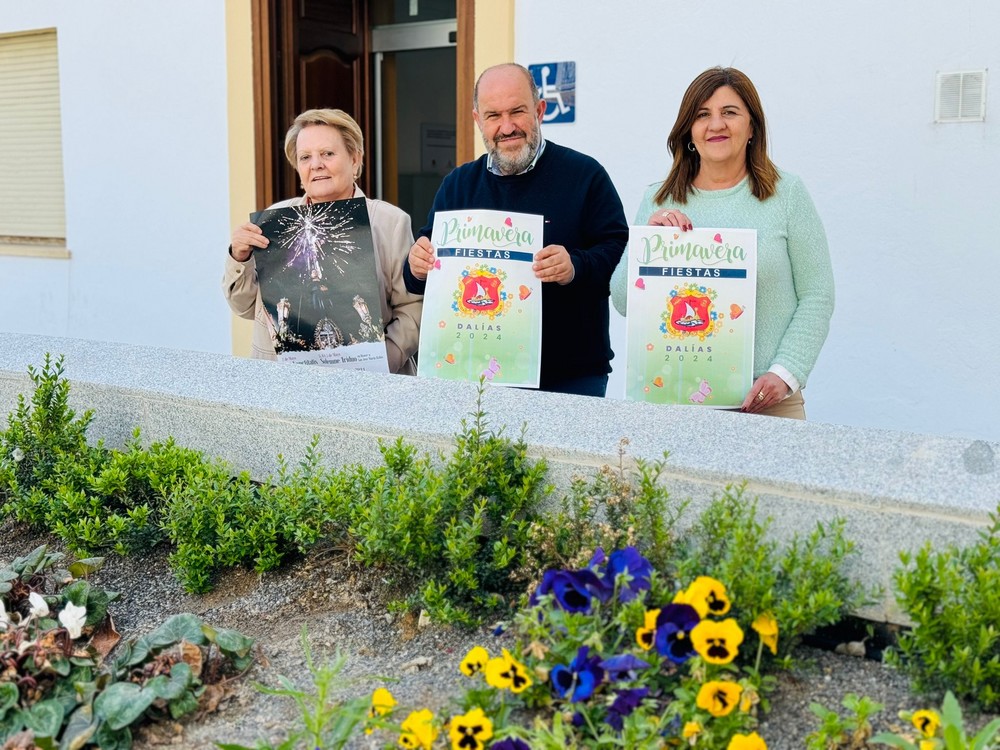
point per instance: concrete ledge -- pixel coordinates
(896, 490)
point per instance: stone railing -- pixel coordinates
(896, 490)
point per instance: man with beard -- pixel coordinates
(585, 229)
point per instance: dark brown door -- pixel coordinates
(314, 54)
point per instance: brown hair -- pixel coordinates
(763, 174)
(350, 131)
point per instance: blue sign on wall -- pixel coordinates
(556, 84)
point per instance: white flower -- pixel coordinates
(73, 619)
(17, 454)
(38, 606)
(4, 619)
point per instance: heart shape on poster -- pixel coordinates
(640, 284)
(508, 222)
(437, 263)
(676, 236)
(658, 381)
(523, 292)
(449, 358)
(717, 237)
(735, 311)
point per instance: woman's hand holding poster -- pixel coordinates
(691, 311)
(482, 315)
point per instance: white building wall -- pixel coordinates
(143, 92)
(911, 208)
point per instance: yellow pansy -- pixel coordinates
(382, 703)
(706, 595)
(691, 729)
(752, 741)
(719, 697)
(474, 661)
(927, 722)
(717, 642)
(506, 673)
(418, 731)
(470, 731)
(767, 628)
(646, 635)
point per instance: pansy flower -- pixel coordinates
(926, 721)
(418, 731)
(506, 673)
(646, 635)
(511, 743)
(628, 560)
(626, 701)
(470, 731)
(691, 729)
(717, 642)
(767, 628)
(752, 741)
(719, 697)
(573, 590)
(623, 667)
(706, 595)
(580, 679)
(474, 661)
(382, 703)
(674, 625)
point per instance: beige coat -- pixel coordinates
(392, 238)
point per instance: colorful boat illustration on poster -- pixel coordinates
(689, 331)
(482, 316)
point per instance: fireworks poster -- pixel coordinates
(482, 313)
(689, 332)
(319, 284)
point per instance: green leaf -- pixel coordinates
(113, 739)
(44, 718)
(122, 703)
(86, 566)
(892, 740)
(233, 643)
(79, 729)
(986, 734)
(172, 687)
(77, 592)
(8, 697)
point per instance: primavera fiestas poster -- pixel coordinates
(320, 287)
(482, 315)
(691, 308)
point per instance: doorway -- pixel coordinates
(391, 64)
(414, 69)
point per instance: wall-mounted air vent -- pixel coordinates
(960, 96)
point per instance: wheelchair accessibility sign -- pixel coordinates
(556, 84)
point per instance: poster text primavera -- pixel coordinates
(482, 312)
(691, 311)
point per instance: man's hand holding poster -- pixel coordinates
(482, 315)
(691, 312)
(320, 286)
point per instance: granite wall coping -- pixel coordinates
(897, 490)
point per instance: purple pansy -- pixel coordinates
(626, 701)
(580, 679)
(638, 567)
(573, 590)
(511, 743)
(673, 632)
(623, 667)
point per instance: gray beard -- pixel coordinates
(508, 165)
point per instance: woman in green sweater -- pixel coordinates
(722, 177)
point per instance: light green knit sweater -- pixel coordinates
(794, 276)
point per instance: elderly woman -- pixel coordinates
(722, 177)
(326, 147)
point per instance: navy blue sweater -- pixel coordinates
(584, 214)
